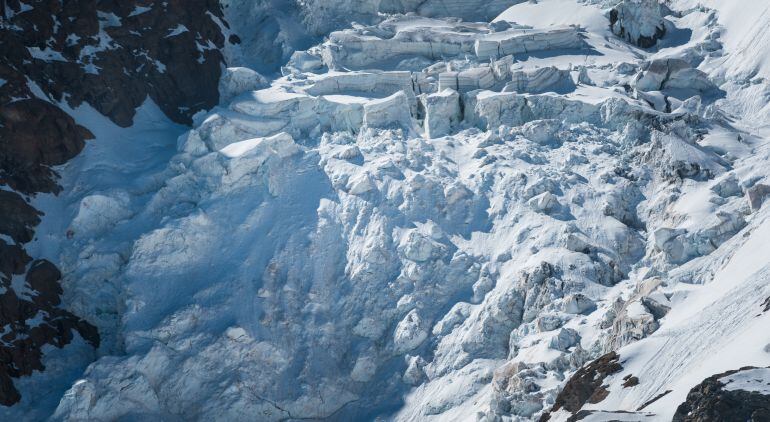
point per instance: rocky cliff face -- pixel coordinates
(113, 55)
(736, 395)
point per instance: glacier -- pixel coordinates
(427, 211)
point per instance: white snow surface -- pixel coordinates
(361, 243)
(753, 380)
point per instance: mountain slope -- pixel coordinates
(424, 217)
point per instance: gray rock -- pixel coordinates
(711, 400)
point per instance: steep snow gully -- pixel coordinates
(435, 210)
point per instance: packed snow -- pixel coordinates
(755, 380)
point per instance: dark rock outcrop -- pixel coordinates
(36, 135)
(630, 381)
(653, 400)
(710, 402)
(31, 319)
(114, 54)
(618, 415)
(19, 218)
(586, 385)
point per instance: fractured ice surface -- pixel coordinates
(435, 39)
(430, 219)
(638, 21)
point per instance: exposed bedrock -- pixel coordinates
(585, 385)
(112, 58)
(36, 136)
(737, 395)
(32, 319)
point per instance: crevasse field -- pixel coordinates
(440, 215)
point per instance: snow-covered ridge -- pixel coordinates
(430, 219)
